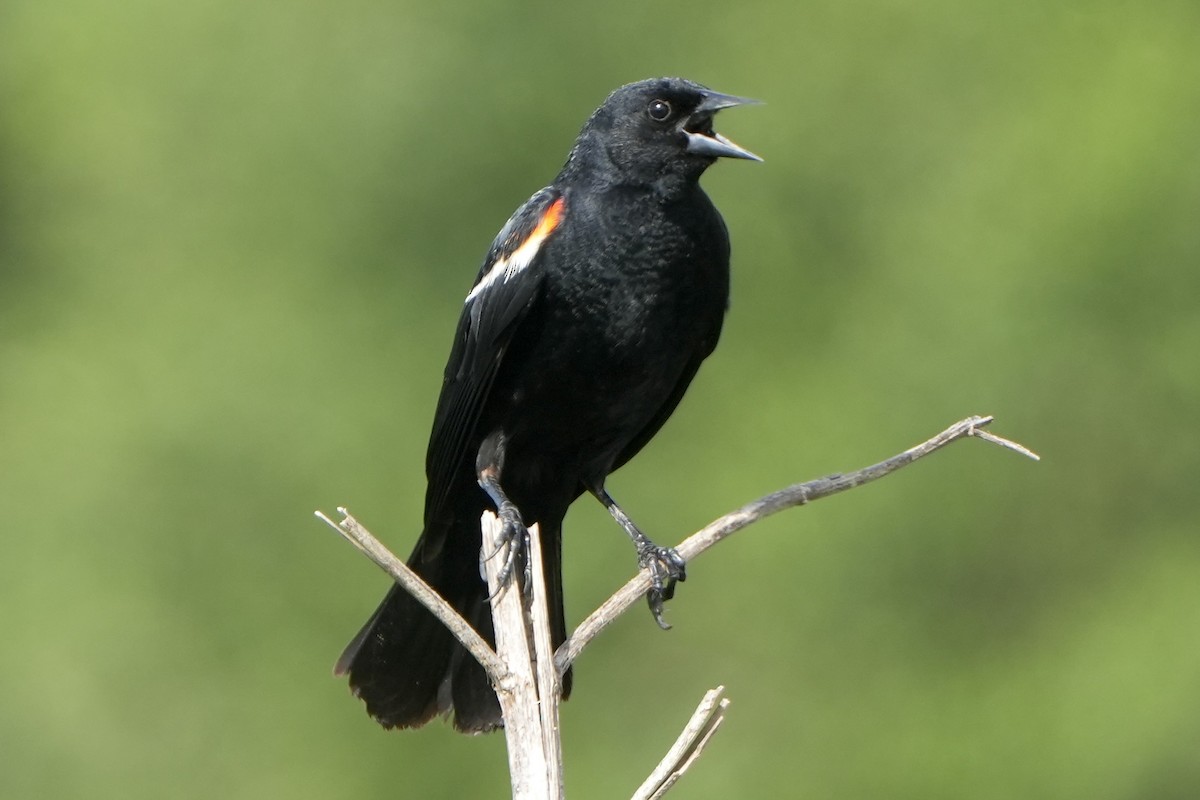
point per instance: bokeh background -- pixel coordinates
(234, 240)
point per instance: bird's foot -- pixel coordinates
(512, 545)
(665, 566)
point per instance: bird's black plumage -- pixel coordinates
(589, 318)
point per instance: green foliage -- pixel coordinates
(234, 239)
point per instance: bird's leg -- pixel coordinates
(664, 564)
(513, 533)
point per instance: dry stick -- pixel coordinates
(527, 755)
(549, 685)
(401, 573)
(534, 749)
(705, 721)
(796, 495)
(531, 721)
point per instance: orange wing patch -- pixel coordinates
(521, 257)
(549, 221)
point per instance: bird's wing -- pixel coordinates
(507, 285)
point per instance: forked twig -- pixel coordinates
(705, 721)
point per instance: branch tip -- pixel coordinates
(1008, 444)
(704, 722)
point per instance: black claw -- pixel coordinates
(668, 591)
(655, 598)
(666, 567)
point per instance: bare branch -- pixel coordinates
(549, 684)
(705, 721)
(529, 688)
(796, 495)
(353, 531)
(531, 729)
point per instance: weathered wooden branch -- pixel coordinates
(796, 495)
(521, 668)
(530, 688)
(529, 693)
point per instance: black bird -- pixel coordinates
(595, 305)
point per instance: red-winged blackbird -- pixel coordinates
(595, 305)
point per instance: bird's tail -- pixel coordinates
(407, 667)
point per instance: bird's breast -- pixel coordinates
(626, 310)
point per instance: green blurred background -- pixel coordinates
(234, 240)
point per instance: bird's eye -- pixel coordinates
(659, 110)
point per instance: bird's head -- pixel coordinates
(656, 129)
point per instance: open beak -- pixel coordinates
(703, 140)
